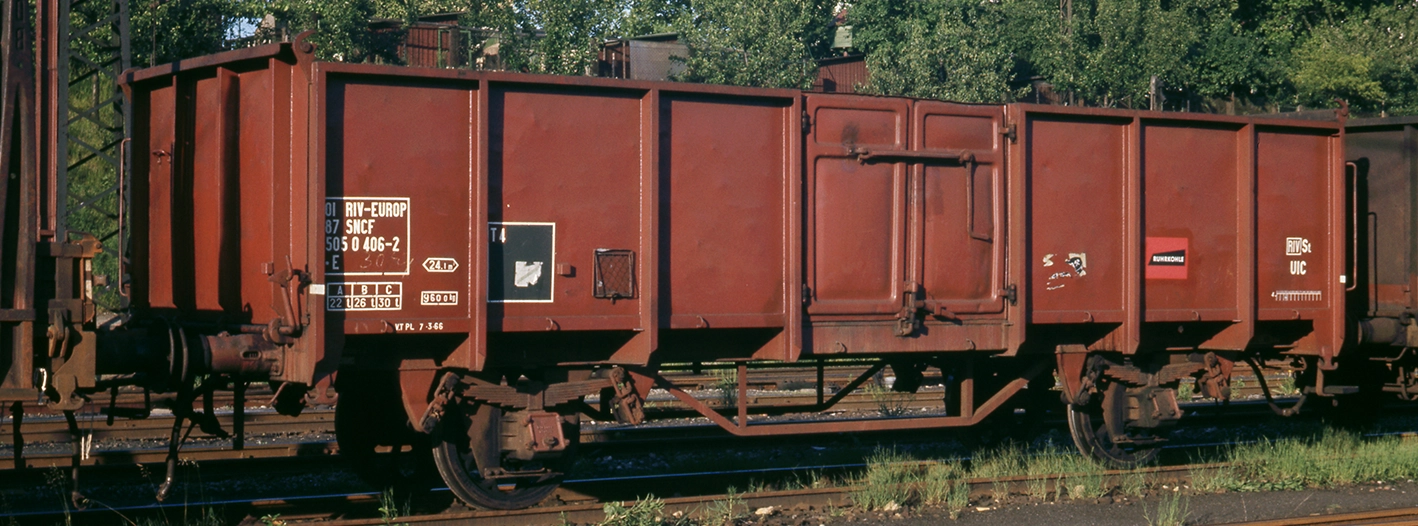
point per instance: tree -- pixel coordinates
(772, 43)
(944, 49)
(648, 17)
(164, 31)
(1370, 61)
(571, 32)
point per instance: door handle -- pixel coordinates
(864, 155)
(966, 158)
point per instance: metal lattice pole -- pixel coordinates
(85, 47)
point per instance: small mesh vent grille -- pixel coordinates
(615, 274)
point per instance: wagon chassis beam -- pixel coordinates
(970, 414)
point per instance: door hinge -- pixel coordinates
(807, 295)
(1010, 132)
(807, 123)
(1011, 293)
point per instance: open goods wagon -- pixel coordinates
(472, 254)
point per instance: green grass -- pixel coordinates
(1330, 458)
(891, 478)
(1079, 477)
(1186, 390)
(888, 402)
(648, 511)
(389, 510)
(1172, 510)
(727, 382)
(1333, 458)
(995, 463)
(897, 479)
(1133, 484)
(727, 510)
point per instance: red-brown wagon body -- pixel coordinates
(508, 238)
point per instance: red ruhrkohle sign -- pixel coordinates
(1166, 258)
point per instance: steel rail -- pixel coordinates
(321, 422)
(582, 508)
(1393, 516)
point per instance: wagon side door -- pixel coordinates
(958, 177)
(856, 211)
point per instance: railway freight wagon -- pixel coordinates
(468, 256)
(1383, 155)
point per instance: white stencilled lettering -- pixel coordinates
(364, 296)
(377, 227)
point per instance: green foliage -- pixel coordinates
(573, 31)
(1109, 50)
(162, 32)
(1371, 61)
(341, 26)
(770, 43)
(648, 17)
(944, 49)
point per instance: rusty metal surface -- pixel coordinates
(222, 225)
(904, 233)
(1171, 186)
(1383, 153)
(19, 203)
(655, 58)
(516, 186)
(841, 74)
(445, 188)
(1118, 220)
(432, 46)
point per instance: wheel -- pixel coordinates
(1090, 432)
(463, 439)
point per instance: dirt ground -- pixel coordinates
(1200, 509)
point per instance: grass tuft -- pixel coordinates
(727, 510)
(891, 478)
(389, 509)
(727, 382)
(1133, 484)
(888, 402)
(1172, 510)
(648, 511)
(1333, 458)
(995, 463)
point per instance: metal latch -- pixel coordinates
(908, 320)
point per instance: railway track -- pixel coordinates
(1395, 516)
(316, 427)
(582, 501)
(132, 400)
(578, 501)
(261, 420)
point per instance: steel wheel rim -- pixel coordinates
(458, 466)
(1094, 441)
